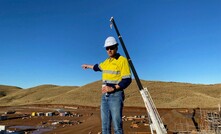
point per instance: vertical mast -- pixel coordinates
(157, 123)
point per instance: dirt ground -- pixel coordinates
(86, 120)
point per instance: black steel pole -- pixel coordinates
(127, 55)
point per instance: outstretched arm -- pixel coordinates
(86, 66)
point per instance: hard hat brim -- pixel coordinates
(110, 45)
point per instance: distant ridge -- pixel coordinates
(7, 90)
(164, 95)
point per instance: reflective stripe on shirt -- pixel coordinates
(128, 76)
(111, 72)
(110, 82)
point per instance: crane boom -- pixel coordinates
(156, 123)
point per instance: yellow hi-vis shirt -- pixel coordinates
(114, 70)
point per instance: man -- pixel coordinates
(116, 77)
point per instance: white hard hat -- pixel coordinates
(110, 41)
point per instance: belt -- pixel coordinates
(107, 94)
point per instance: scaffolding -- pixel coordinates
(200, 121)
(210, 122)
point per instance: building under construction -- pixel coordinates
(210, 122)
(204, 121)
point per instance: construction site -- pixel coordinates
(69, 119)
(50, 119)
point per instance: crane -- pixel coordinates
(156, 123)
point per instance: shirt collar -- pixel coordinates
(116, 56)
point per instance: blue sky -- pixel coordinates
(47, 41)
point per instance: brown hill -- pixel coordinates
(164, 94)
(7, 90)
(34, 95)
